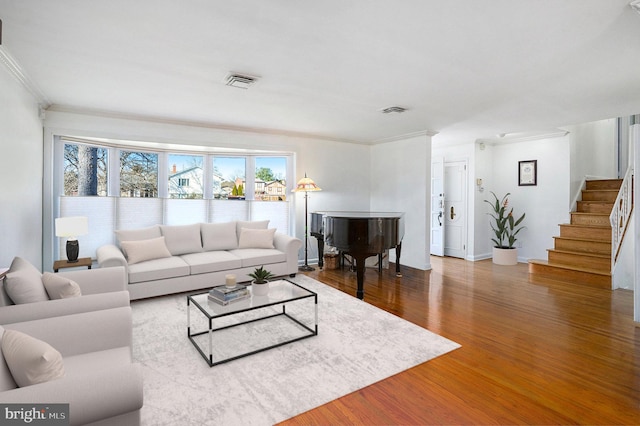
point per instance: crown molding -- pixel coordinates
(428, 133)
(525, 137)
(14, 68)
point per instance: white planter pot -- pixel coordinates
(259, 289)
(503, 256)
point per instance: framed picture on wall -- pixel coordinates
(528, 173)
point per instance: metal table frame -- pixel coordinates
(209, 357)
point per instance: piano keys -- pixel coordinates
(359, 234)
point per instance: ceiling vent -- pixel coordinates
(394, 109)
(240, 81)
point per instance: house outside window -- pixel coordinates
(136, 188)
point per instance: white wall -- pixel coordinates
(547, 204)
(593, 151)
(340, 169)
(21, 173)
(401, 181)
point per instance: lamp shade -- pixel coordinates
(72, 226)
(306, 184)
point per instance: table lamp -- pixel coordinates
(72, 227)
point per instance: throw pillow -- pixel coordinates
(6, 379)
(23, 283)
(31, 361)
(59, 287)
(219, 236)
(182, 239)
(137, 234)
(256, 238)
(255, 224)
(139, 251)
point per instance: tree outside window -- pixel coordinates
(270, 178)
(229, 177)
(85, 170)
(138, 174)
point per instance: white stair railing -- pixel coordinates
(620, 214)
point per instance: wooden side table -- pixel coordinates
(82, 261)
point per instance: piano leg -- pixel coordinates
(360, 261)
(320, 252)
(398, 248)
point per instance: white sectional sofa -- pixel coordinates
(165, 259)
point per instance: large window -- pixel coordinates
(271, 182)
(138, 174)
(229, 175)
(186, 176)
(84, 170)
(120, 187)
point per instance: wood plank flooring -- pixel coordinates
(538, 352)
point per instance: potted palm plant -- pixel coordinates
(505, 228)
(260, 283)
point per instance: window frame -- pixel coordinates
(208, 153)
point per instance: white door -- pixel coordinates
(455, 209)
(437, 206)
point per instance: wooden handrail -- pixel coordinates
(620, 214)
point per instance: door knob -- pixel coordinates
(453, 213)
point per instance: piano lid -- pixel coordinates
(360, 215)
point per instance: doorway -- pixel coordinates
(455, 209)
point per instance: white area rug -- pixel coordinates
(357, 345)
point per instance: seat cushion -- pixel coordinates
(84, 365)
(256, 256)
(158, 269)
(211, 261)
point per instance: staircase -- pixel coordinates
(582, 252)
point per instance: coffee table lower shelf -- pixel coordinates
(208, 355)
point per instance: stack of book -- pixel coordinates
(225, 295)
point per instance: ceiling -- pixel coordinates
(464, 69)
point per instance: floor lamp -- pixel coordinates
(307, 185)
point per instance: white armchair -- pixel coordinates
(100, 382)
(101, 289)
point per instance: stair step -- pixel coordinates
(570, 274)
(595, 261)
(604, 184)
(596, 219)
(607, 195)
(585, 231)
(582, 245)
(594, 207)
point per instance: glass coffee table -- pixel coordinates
(222, 333)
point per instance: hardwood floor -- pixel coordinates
(539, 352)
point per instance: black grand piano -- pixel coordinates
(359, 234)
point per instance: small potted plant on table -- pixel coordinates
(260, 283)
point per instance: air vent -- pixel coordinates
(394, 109)
(240, 81)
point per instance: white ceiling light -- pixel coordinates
(393, 109)
(240, 81)
(635, 5)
